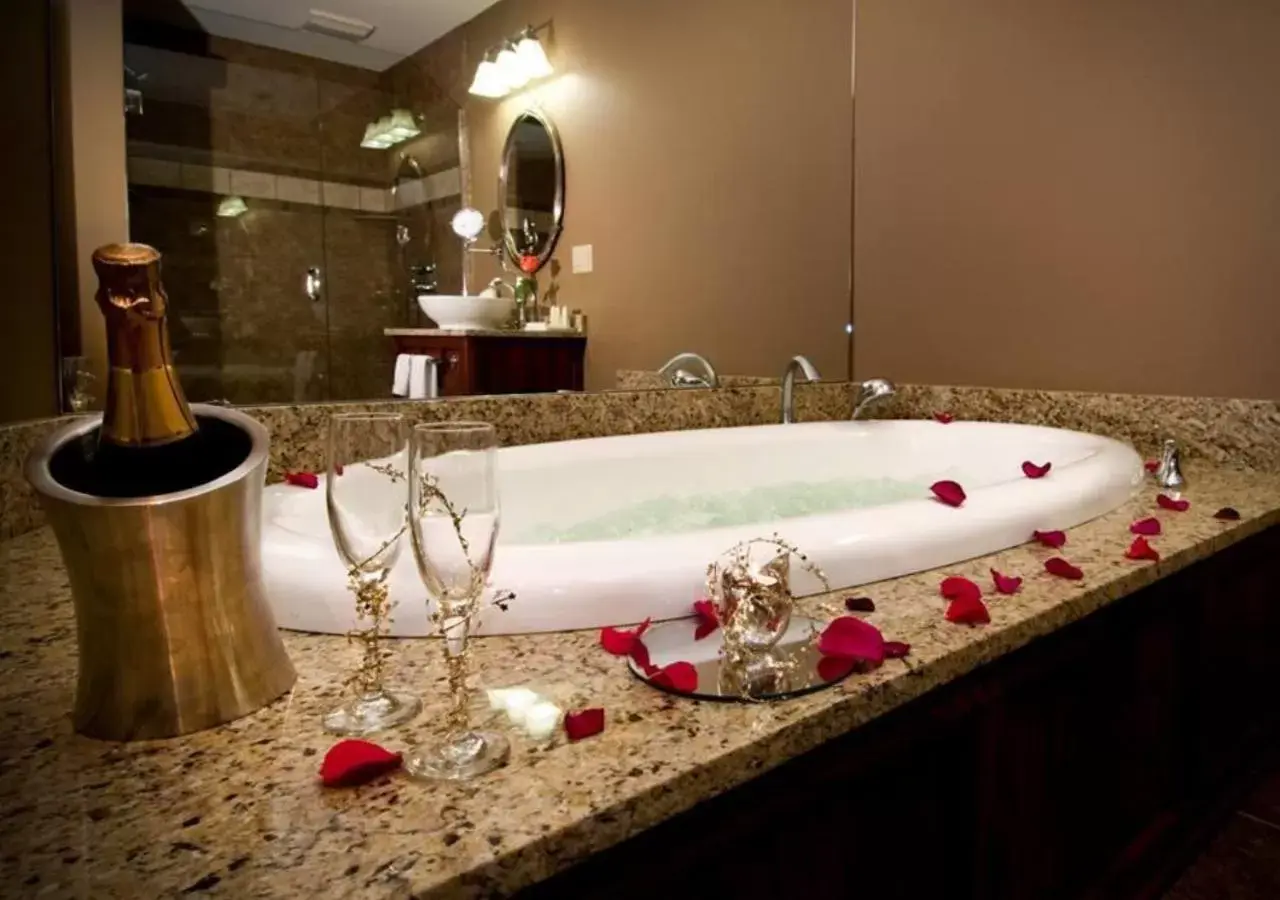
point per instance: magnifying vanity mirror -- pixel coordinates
(531, 188)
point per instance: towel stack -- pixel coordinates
(415, 377)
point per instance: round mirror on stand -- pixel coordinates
(531, 188)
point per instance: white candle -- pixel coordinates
(541, 719)
(518, 701)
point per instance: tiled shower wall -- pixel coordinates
(282, 132)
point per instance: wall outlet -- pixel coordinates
(581, 259)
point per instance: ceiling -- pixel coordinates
(401, 26)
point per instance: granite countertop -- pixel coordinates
(482, 332)
(237, 811)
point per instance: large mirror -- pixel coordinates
(531, 190)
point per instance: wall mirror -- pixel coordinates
(531, 188)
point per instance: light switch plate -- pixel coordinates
(582, 259)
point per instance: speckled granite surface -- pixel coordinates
(236, 811)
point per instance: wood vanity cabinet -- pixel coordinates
(498, 362)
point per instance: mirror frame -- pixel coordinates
(557, 212)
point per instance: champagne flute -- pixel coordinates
(453, 517)
(365, 500)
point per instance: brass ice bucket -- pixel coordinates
(174, 630)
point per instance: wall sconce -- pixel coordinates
(390, 130)
(230, 207)
(511, 66)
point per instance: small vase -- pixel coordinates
(526, 299)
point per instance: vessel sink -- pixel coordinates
(614, 530)
(474, 313)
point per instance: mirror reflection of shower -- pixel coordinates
(133, 91)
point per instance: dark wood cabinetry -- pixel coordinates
(491, 362)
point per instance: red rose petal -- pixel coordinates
(640, 655)
(849, 637)
(1031, 470)
(1151, 465)
(680, 677)
(968, 610)
(949, 492)
(1006, 584)
(352, 762)
(583, 723)
(896, 649)
(619, 641)
(1058, 566)
(833, 668)
(860, 604)
(708, 621)
(1149, 526)
(944, 417)
(1228, 514)
(1054, 539)
(338, 470)
(956, 587)
(1164, 501)
(302, 479)
(1140, 549)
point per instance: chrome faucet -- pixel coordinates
(789, 385)
(1169, 474)
(869, 392)
(680, 377)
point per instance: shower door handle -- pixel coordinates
(312, 284)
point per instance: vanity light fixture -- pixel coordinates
(390, 130)
(511, 68)
(532, 57)
(489, 80)
(512, 65)
(230, 207)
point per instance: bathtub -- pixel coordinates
(613, 530)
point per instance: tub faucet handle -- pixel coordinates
(1169, 472)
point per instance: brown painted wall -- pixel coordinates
(1059, 194)
(707, 152)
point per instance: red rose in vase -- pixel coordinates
(528, 264)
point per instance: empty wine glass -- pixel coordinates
(453, 517)
(365, 494)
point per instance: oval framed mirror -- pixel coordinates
(531, 188)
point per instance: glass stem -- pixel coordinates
(454, 631)
(372, 606)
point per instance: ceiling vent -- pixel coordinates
(333, 25)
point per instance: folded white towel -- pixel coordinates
(400, 381)
(422, 377)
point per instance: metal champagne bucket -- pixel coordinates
(174, 630)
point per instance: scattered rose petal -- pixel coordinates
(896, 649)
(852, 638)
(1164, 501)
(1054, 539)
(302, 479)
(968, 610)
(1149, 526)
(640, 656)
(680, 677)
(1228, 514)
(338, 469)
(708, 621)
(833, 668)
(944, 417)
(1140, 549)
(1006, 584)
(1151, 465)
(352, 762)
(955, 586)
(859, 604)
(948, 492)
(1058, 566)
(619, 641)
(1031, 470)
(583, 723)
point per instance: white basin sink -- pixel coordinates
(476, 313)
(612, 530)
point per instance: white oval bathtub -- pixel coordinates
(614, 530)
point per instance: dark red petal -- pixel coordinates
(1228, 514)
(1149, 526)
(1054, 539)
(582, 723)
(708, 621)
(640, 655)
(1031, 470)
(896, 649)
(619, 641)
(302, 479)
(1164, 501)
(948, 492)
(1058, 566)
(852, 638)
(338, 470)
(680, 677)
(967, 609)
(955, 587)
(1151, 465)
(1140, 549)
(833, 668)
(859, 604)
(1006, 584)
(353, 761)
(944, 417)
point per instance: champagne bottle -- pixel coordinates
(150, 442)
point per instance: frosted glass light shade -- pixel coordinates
(533, 59)
(512, 69)
(230, 207)
(489, 81)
